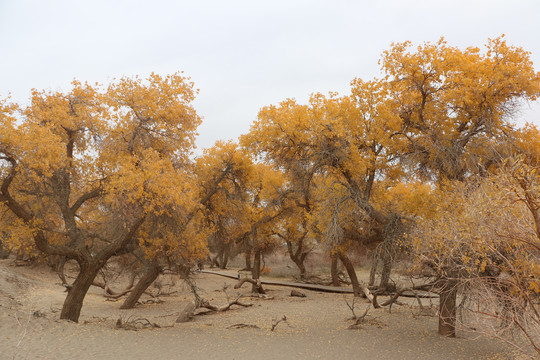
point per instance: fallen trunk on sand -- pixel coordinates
(189, 311)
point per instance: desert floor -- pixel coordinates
(316, 327)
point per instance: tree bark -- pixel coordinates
(71, 309)
(214, 261)
(300, 263)
(60, 270)
(224, 259)
(4, 253)
(255, 283)
(256, 270)
(387, 263)
(358, 287)
(447, 308)
(247, 256)
(334, 270)
(352, 274)
(152, 272)
(373, 270)
(298, 256)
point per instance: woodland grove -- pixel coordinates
(424, 164)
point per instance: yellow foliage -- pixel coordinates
(479, 229)
(87, 164)
(448, 98)
(412, 199)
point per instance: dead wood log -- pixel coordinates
(305, 286)
(297, 293)
(135, 324)
(243, 326)
(205, 304)
(188, 313)
(111, 294)
(395, 296)
(366, 291)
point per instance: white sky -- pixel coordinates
(242, 55)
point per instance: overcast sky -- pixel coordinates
(242, 55)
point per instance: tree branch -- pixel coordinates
(120, 244)
(85, 197)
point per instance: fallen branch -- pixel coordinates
(199, 303)
(111, 294)
(297, 293)
(276, 322)
(312, 287)
(366, 291)
(359, 320)
(135, 324)
(205, 304)
(242, 326)
(402, 292)
(188, 313)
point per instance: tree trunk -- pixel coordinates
(4, 253)
(247, 255)
(386, 270)
(373, 270)
(152, 272)
(393, 230)
(359, 287)
(334, 270)
(215, 261)
(60, 270)
(224, 259)
(352, 274)
(71, 309)
(53, 261)
(301, 267)
(256, 270)
(447, 308)
(297, 257)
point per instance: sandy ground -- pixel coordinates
(316, 328)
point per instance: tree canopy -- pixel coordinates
(423, 162)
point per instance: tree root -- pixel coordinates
(257, 284)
